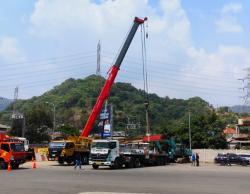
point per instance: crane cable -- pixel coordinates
(144, 35)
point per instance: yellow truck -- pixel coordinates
(67, 150)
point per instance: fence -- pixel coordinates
(208, 155)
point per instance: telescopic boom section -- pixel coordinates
(112, 74)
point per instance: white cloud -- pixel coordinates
(231, 8)
(218, 73)
(66, 26)
(10, 50)
(227, 22)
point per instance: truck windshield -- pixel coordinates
(108, 145)
(17, 147)
(57, 144)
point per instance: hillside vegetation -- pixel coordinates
(74, 100)
(4, 102)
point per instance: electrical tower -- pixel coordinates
(246, 88)
(16, 115)
(98, 68)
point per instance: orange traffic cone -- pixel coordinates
(9, 167)
(33, 163)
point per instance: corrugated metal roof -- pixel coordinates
(229, 131)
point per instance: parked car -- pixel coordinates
(220, 157)
(246, 156)
(230, 158)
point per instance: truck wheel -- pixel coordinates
(117, 164)
(95, 166)
(85, 160)
(69, 161)
(3, 165)
(61, 160)
(137, 163)
(129, 164)
(15, 166)
(164, 161)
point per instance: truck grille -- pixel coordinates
(99, 157)
(54, 152)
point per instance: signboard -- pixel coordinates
(105, 121)
(105, 114)
(107, 130)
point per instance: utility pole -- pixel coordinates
(111, 120)
(54, 117)
(189, 130)
(98, 68)
(17, 116)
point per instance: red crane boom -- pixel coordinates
(112, 75)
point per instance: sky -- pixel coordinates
(194, 48)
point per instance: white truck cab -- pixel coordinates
(104, 153)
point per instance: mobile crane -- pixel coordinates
(112, 75)
(66, 150)
(12, 152)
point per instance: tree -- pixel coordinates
(38, 124)
(68, 130)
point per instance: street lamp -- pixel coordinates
(189, 130)
(54, 117)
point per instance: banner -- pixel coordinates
(105, 121)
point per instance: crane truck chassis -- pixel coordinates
(67, 150)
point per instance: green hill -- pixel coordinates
(74, 99)
(4, 102)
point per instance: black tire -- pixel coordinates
(95, 166)
(137, 163)
(69, 161)
(15, 166)
(129, 164)
(222, 163)
(85, 160)
(117, 164)
(61, 160)
(3, 165)
(164, 161)
(244, 163)
(158, 161)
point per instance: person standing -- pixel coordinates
(193, 159)
(197, 157)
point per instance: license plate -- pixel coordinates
(98, 163)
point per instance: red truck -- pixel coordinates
(11, 151)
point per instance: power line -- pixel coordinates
(7, 68)
(109, 54)
(170, 77)
(49, 59)
(48, 72)
(153, 68)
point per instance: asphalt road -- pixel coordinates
(49, 178)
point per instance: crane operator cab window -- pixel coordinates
(106, 145)
(17, 147)
(5, 147)
(69, 145)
